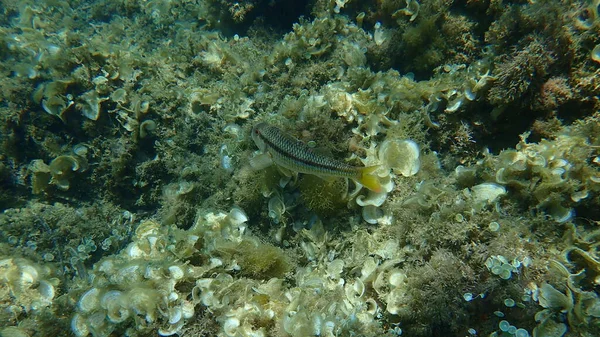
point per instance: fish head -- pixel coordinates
(256, 136)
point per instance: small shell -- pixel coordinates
(173, 296)
(80, 150)
(369, 266)
(129, 273)
(596, 53)
(146, 228)
(372, 214)
(470, 95)
(231, 326)
(134, 251)
(579, 195)
(317, 322)
(144, 106)
(110, 299)
(500, 178)
(379, 34)
(559, 213)
(176, 272)
(487, 192)
(29, 275)
(276, 208)
(170, 330)
(237, 216)
(373, 199)
(89, 300)
(79, 326)
(215, 262)
(152, 240)
(335, 268)
(46, 290)
(355, 291)
(454, 105)
(397, 279)
(372, 307)
(187, 309)
(175, 315)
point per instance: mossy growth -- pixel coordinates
(322, 196)
(256, 259)
(247, 187)
(437, 281)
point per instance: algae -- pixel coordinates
(124, 168)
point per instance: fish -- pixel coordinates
(293, 155)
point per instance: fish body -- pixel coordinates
(295, 156)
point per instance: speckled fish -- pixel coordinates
(295, 156)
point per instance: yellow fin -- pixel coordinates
(369, 180)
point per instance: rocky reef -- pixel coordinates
(130, 208)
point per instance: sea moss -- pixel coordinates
(324, 197)
(435, 282)
(257, 259)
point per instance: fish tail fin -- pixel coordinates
(369, 180)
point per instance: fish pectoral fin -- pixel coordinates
(284, 171)
(261, 161)
(328, 179)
